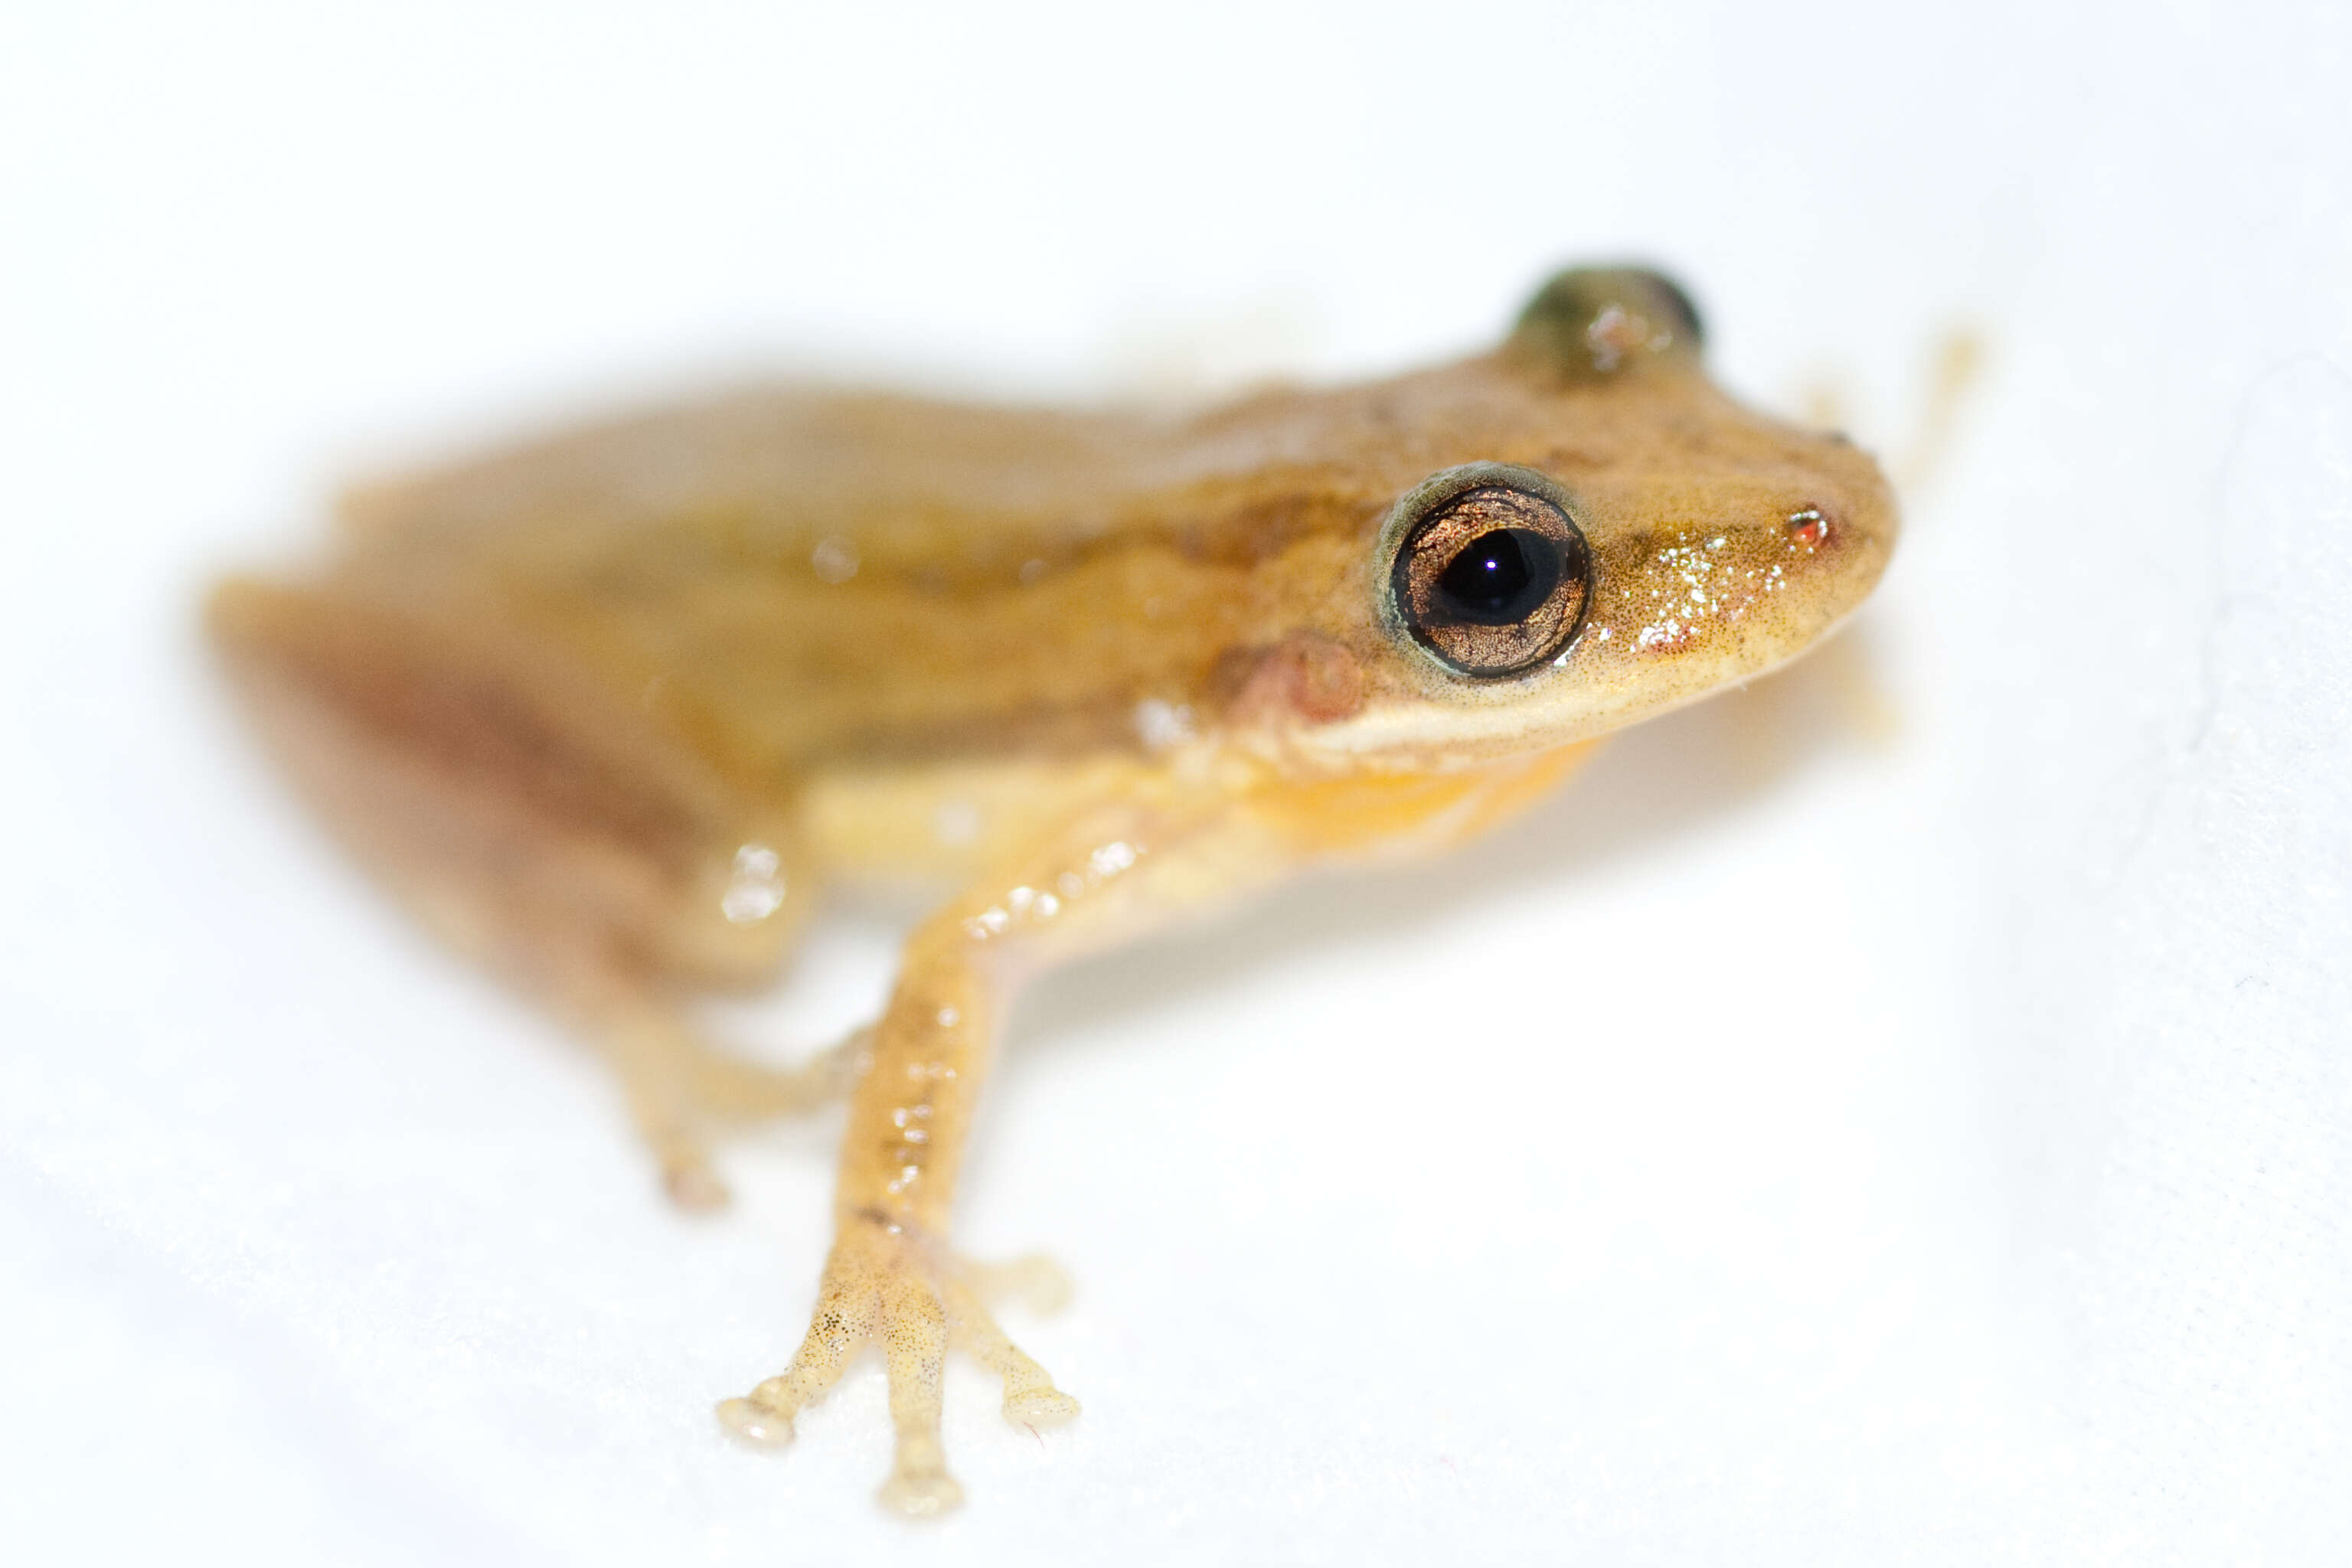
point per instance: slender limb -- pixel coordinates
(847, 1307)
(676, 1083)
(1030, 1396)
(668, 1127)
(915, 1344)
(891, 1275)
(732, 1089)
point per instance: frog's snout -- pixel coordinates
(1836, 548)
(1727, 596)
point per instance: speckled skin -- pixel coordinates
(609, 710)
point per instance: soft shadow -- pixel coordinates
(1727, 755)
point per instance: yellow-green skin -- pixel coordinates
(609, 708)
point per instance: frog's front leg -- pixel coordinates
(678, 1085)
(891, 1278)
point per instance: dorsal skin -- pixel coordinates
(816, 578)
(609, 710)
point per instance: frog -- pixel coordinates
(611, 708)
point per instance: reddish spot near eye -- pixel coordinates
(1808, 527)
(1304, 676)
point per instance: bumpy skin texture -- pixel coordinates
(608, 710)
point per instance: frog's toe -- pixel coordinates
(919, 1486)
(842, 1325)
(755, 1423)
(1040, 1408)
(1030, 1397)
(694, 1184)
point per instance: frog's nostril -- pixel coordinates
(1809, 527)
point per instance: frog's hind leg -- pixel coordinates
(551, 834)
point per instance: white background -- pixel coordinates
(1939, 1145)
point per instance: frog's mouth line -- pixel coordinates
(1628, 663)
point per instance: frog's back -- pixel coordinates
(788, 577)
(793, 576)
(781, 467)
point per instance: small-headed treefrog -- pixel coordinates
(610, 710)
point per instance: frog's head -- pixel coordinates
(1637, 542)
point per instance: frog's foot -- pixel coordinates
(885, 1283)
(726, 1088)
(678, 1086)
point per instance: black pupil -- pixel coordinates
(1500, 578)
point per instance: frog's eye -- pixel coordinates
(1492, 580)
(1592, 324)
